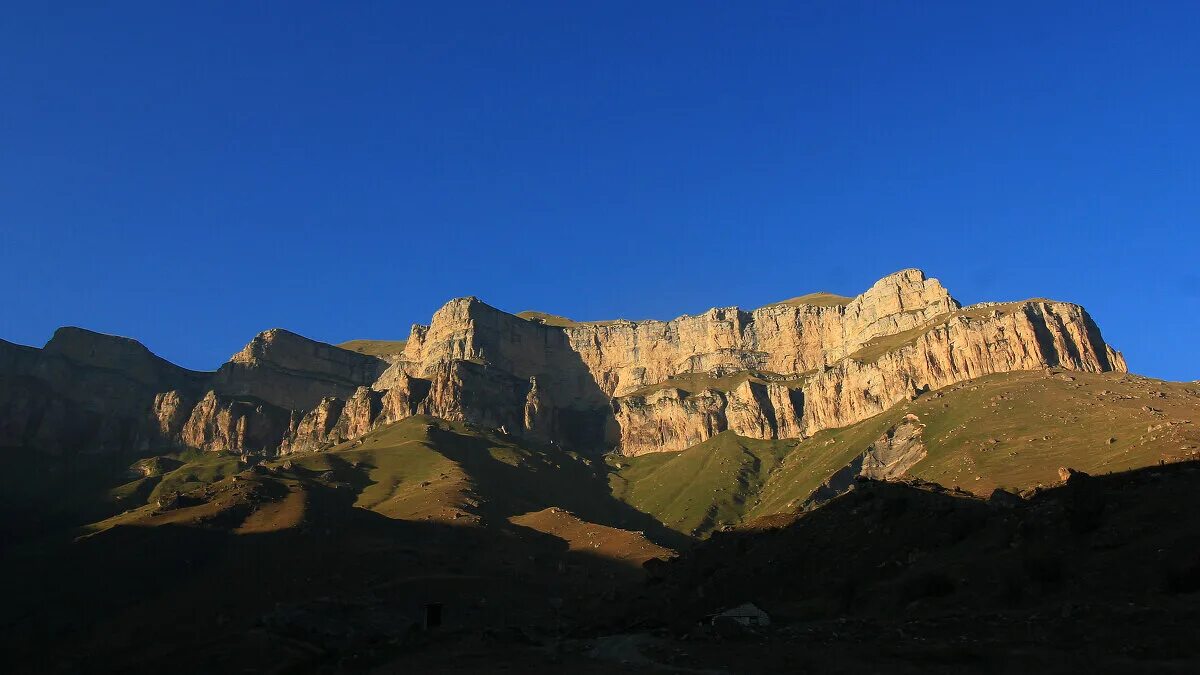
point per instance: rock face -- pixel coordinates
(86, 392)
(782, 371)
(888, 458)
(999, 338)
(220, 423)
(786, 339)
(290, 371)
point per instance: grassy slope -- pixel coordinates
(580, 535)
(199, 469)
(423, 468)
(729, 478)
(815, 459)
(559, 321)
(44, 495)
(1009, 430)
(375, 347)
(818, 300)
(701, 488)
(391, 471)
(1014, 430)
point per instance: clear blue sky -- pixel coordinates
(192, 173)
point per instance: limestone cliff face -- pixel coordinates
(467, 330)
(807, 366)
(85, 392)
(955, 347)
(668, 418)
(220, 423)
(999, 338)
(788, 339)
(171, 410)
(335, 421)
(291, 371)
(782, 371)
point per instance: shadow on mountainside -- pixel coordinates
(1102, 571)
(548, 478)
(44, 495)
(209, 587)
(573, 408)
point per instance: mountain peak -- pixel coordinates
(102, 350)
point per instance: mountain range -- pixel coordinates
(310, 503)
(783, 371)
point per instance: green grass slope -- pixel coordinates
(701, 488)
(391, 471)
(419, 469)
(1015, 430)
(820, 299)
(1011, 430)
(375, 347)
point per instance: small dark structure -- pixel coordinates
(746, 615)
(433, 615)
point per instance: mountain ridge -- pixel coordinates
(604, 386)
(521, 473)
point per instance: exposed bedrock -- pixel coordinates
(782, 371)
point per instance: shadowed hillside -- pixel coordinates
(1098, 573)
(532, 493)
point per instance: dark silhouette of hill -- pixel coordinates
(1101, 572)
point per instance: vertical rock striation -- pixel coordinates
(782, 371)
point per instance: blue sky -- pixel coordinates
(190, 174)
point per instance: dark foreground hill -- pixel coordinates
(536, 494)
(1099, 573)
(275, 570)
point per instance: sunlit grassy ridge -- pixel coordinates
(820, 299)
(427, 468)
(1015, 430)
(375, 347)
(561, 321)
(391, 469)
(202, 469)
(703, 487)
(1008, 430)
(1011, 430)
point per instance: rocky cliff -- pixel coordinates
(291, 371)
(782, 371)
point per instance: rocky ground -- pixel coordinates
(270, 570)
(1099, 574)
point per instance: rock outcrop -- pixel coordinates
(623, 356)
(669, 418)
(86, 392)
(888, 458)
(290, 371)
(782, 371)
(222, 423)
